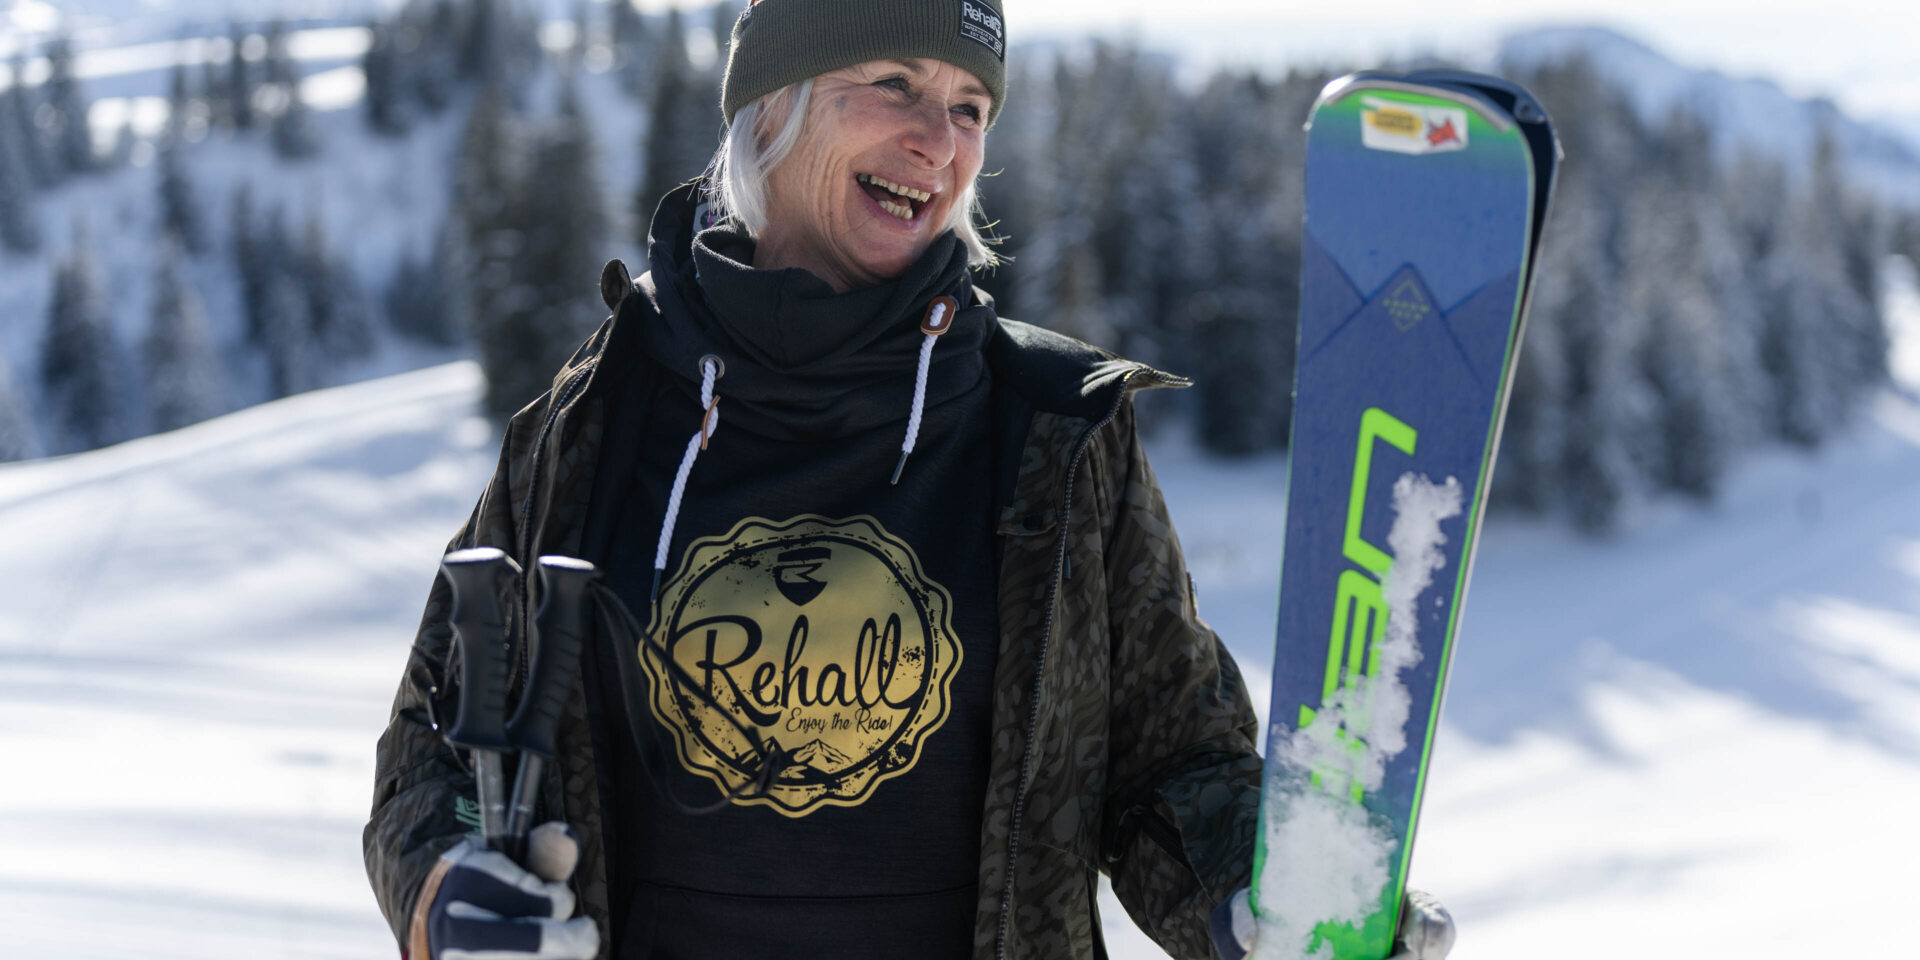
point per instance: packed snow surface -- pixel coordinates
(1325, 861)
(1690, 740)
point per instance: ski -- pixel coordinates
(1425, 196)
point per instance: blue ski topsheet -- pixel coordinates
(1420, 209)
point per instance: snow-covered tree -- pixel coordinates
(386, 78)
(683, 127)
(429, 45)
(18, 439)
(214, 89)
(184, 381)
(584, 29)
(1823, 339)
(632, 47)
(553, 302)
(73, 141)
(1250, 268)
(335, 311)
(293, 134)
(1526, 472)
(1596, 468)
(179, 99)
(181, 217)
(277, 68)
(486, 184)
(499, 43)
(22, 113)
(721, 18)
(19, 215)
(293, 351)
(240, 81)
(430, 297)
(79, 359)
(1670, 280)
(1908, 240)
(253, 264)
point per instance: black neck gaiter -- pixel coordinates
(804, 362)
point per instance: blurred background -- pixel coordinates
(272, 274)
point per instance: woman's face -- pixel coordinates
(889, 147)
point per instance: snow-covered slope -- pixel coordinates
(1747, 114)
(200, 636)
(1688, 741)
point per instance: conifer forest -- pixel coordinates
(244, 235)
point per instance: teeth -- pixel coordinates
(900, 210)
(891, 187)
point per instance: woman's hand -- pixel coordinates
(489, 908)
(1426, 928)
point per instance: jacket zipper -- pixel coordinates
(526, 525)
(1046, 637)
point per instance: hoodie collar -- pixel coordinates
(802, 362)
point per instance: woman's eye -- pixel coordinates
(896, 83)
(969, 111)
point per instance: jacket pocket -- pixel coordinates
(1015, 522)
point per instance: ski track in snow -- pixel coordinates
(1652, 745)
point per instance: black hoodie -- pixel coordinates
(823, 639)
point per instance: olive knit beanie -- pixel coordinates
(781, 42)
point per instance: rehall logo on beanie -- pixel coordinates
(981, 25)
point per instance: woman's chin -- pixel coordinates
(888, 261)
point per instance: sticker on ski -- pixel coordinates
(1412, 128)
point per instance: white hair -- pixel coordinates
(761, 136)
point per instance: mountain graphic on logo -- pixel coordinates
(793, 572)
(750, 759)
(819, 756)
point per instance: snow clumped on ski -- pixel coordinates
(1327, 862)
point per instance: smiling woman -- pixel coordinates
(920, 656)
(786, 171)
(884, 162)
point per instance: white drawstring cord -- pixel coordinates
(938, 321)
(711, 369)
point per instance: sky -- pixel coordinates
(1865, 54)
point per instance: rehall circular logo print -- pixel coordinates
(816, 640)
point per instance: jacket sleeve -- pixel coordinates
(423, 796)
(1184, 770)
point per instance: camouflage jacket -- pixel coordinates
(1123, 739)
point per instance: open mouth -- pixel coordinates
(901, 201)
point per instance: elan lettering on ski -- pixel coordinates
(1359, 604)
(1424, 200)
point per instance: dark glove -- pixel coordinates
(489, 908)
(1426, 928)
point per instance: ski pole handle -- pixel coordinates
(560, 629)
(481, 578)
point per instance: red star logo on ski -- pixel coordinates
(1442, 135)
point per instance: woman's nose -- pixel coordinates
(929, 137)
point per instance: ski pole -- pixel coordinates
(480, 578)
(559, 630)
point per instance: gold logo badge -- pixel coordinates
(816, 644)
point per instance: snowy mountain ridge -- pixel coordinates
(1748, 114)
